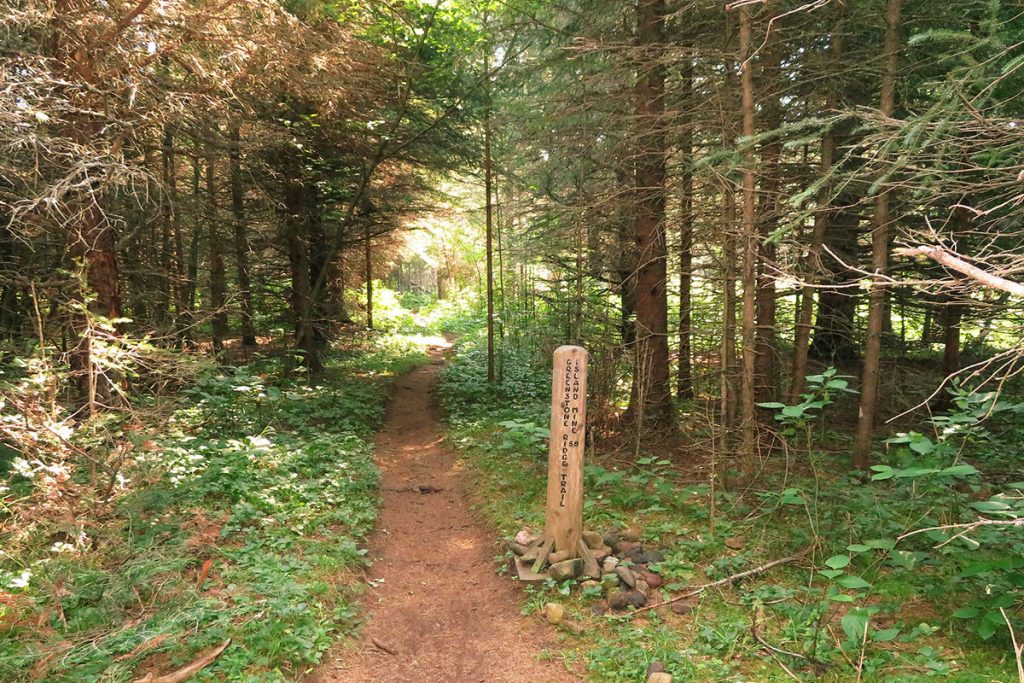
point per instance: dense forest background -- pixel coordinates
(788, 233)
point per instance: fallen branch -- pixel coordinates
(957, 263)
(756, 633)
(965, 528)
(189, 670)
(381, 645)
(727, 581)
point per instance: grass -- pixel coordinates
(241, 521)
(863, 602)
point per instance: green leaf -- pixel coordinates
(881, 472)
(855, 624)
(858, 548)
(965, 613)
(989, 624)
(990, 506)
(831, 573)
(881, 543)
(885, 635)
(959, 471)
(922, 445)
(914, 472)
(773, 405)
(853, 582)
(838, 561)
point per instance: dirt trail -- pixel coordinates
(438, 605)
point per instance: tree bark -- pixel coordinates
(626, 266)
(319, 266)
(765, 380)
(837, 297)
(651, 399)
(805, 315)
(748, 414)
(489, 220)
(879, 256)
(218, 275)
(368, 262)
(296, 225)
(192, 269)
(241, 241)
(91, 237)
(684, 378)
(951, 352)
(728, 351)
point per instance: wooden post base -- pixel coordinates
(530, 566)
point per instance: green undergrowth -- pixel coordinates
(240, 520)
(864, 604)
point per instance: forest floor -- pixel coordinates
(435, 609)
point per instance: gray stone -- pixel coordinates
(601, 553)
(591, 567)
(518, 548)
(620, 600)
(643, 587)
(555, 558)
(735, 543)
(633, 533)
(554, 613)
(655, 667)
(525, 536)
(682, 607)
(611, 538)
(609, 564)
(524, 571)
(653, 580)
(659, 677)
(593, 539)
(623, 548)
(571, 627)
(626, 576)
(641, 555)
(566, 569)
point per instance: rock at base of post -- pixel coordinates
(525, 573)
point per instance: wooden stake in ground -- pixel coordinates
(564, 518)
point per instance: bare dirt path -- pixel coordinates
(437, 605)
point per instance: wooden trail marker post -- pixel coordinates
(564, 512)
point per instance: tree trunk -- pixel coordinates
(91, 237)
(879, 256)
(192, 270)
(805, 313)
(684, 379)
(651, 399)
(218, 275)
(296, 225)
(728, 352)
(241, 240)
(837, 297)
(749, 241)
(368, 258)
(94, 244)
(319, 267)
(489, 220)
(626, 266)
(951, 355)
(765, 380)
